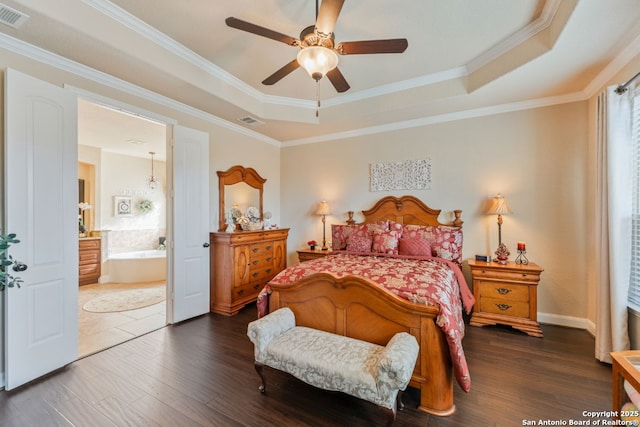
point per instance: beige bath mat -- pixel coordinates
(126, 300)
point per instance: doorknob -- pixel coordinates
(205, 245)
(19, 266)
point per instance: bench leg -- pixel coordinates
(263, 386)
(391, 413)
(399, 401)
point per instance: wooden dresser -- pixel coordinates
(242, 262)
(506, 294)
(89, 260)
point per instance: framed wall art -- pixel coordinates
(123, 206)
(402, 175)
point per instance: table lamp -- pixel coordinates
(323, 210)
(499, 207)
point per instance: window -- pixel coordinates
(634, 284)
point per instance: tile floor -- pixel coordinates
(98, 331)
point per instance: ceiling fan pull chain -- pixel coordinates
(318, 97)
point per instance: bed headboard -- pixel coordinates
(405, 210)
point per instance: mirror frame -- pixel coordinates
(234, 175)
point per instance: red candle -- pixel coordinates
(521, 246)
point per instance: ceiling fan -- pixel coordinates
(318, 53)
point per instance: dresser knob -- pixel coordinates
(484, 271)
(241, 291)
(503, 291)
(524, 274)
(254, 250)
(503, 307)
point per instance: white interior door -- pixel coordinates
(190, 219)
(41, 207)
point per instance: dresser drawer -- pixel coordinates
(509, 276)
(502, 306)
(246, 292)
(261, 250)
(88, 270)
(503, 291)
(89, 244)
(89, 257)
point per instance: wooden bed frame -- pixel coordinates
(356, 308)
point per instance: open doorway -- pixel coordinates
(122, 231)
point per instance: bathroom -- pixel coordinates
(122, 182)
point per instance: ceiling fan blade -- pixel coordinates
(328, 15)
(261, 31)
(372, 46)
(282, 72)
(337, 80)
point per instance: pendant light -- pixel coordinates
(153, 181)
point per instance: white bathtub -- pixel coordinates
(138, 266)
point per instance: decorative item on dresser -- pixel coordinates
(307, 254)
(89, 260)
(506, 294)
(242, 263)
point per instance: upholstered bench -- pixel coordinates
(333, 362)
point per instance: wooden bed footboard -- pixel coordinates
(356, 308)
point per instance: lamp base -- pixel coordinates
(502, 254)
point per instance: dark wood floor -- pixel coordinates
(200, 373)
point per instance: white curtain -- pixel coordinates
(613, 221)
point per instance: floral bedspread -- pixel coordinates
(424, 280)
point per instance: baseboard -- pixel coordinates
(568, 321)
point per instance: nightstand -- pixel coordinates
(506, 294)
(308, 254)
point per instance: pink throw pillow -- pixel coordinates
(359, 243)
(385, 242)
(416, 246)
(340, 232)
(446, 241)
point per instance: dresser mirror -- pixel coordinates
(239, 186)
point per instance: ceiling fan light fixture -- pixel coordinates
(317, 61)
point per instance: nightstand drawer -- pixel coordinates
(503, 291)
(501, 306)
(509, 276)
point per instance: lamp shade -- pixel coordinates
(323, 209)
(317, 60)
(499, 206)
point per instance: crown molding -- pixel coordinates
(118, 14)
(539, 24)
(37, 54)
(138, 26)
(619, 62)
(442, 118)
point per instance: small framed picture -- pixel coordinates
(123, 206)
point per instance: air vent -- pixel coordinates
(12, 17)
(251, 121)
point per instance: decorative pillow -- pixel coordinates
(385, 242)
(416, 246)
(446, 241)
(359, 243)
(395, 226)
(340, 233)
